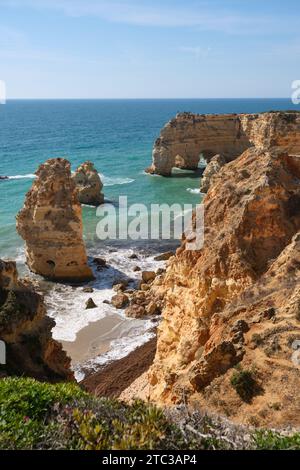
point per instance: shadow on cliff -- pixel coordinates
(178, 173)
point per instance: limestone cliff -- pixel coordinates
(26, 331)
(235, 302)
(51, 225)
(212, 168)
(89, 185)
(185, 137)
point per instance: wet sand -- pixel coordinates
(95, 338)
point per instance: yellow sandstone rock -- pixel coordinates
(50, 223)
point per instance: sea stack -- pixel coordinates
(51, 225)
(26, 330)
(89, 184)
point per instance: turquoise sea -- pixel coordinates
(117, 135)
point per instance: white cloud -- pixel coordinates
(203, 15)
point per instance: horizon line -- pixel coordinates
(136, 99)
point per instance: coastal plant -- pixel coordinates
(37, 415)
(25, 406)
(271, 440)
(244, 383)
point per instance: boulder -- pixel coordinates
(135, 311)
(90, 304)
(148, 276)
(120, 301)
(133, 256)
(100, 262)
(164, 256)
(88, 290)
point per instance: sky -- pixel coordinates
(149, 48)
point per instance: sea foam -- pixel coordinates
(194, 190)
(110, 181)
(20, 177)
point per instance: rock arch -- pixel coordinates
(183, 139)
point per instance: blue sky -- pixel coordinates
(149, 48)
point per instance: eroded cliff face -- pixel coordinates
(51, 225)
(185, 137)
(236, 301)
(89, 184)
(26, 331)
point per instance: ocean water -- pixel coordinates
(117, 135)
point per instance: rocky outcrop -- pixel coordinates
(26, 331)
(212, 168)
(51, 225)
(235, 302)
(187, 136)
(89, 185)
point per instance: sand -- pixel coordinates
(117, 376)
(95, 338)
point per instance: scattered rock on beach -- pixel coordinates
(100, 262)
(120, 300)
(160, 271)
(148, 276)
(88, 290)
(90, 304)
(136, 269)
(164, 256)
(119, 287)
(121, 282)
(135, 311)
(133, 256)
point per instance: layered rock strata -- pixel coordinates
(183, 139)
(235, 302)
(89, 184)
(26, 331)
(50, 222)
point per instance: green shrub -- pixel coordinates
(24, 408)
(244, 383)
(274, 441)
(36, 415)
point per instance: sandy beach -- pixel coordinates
(94, 339)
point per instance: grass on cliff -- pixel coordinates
(35, 415)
